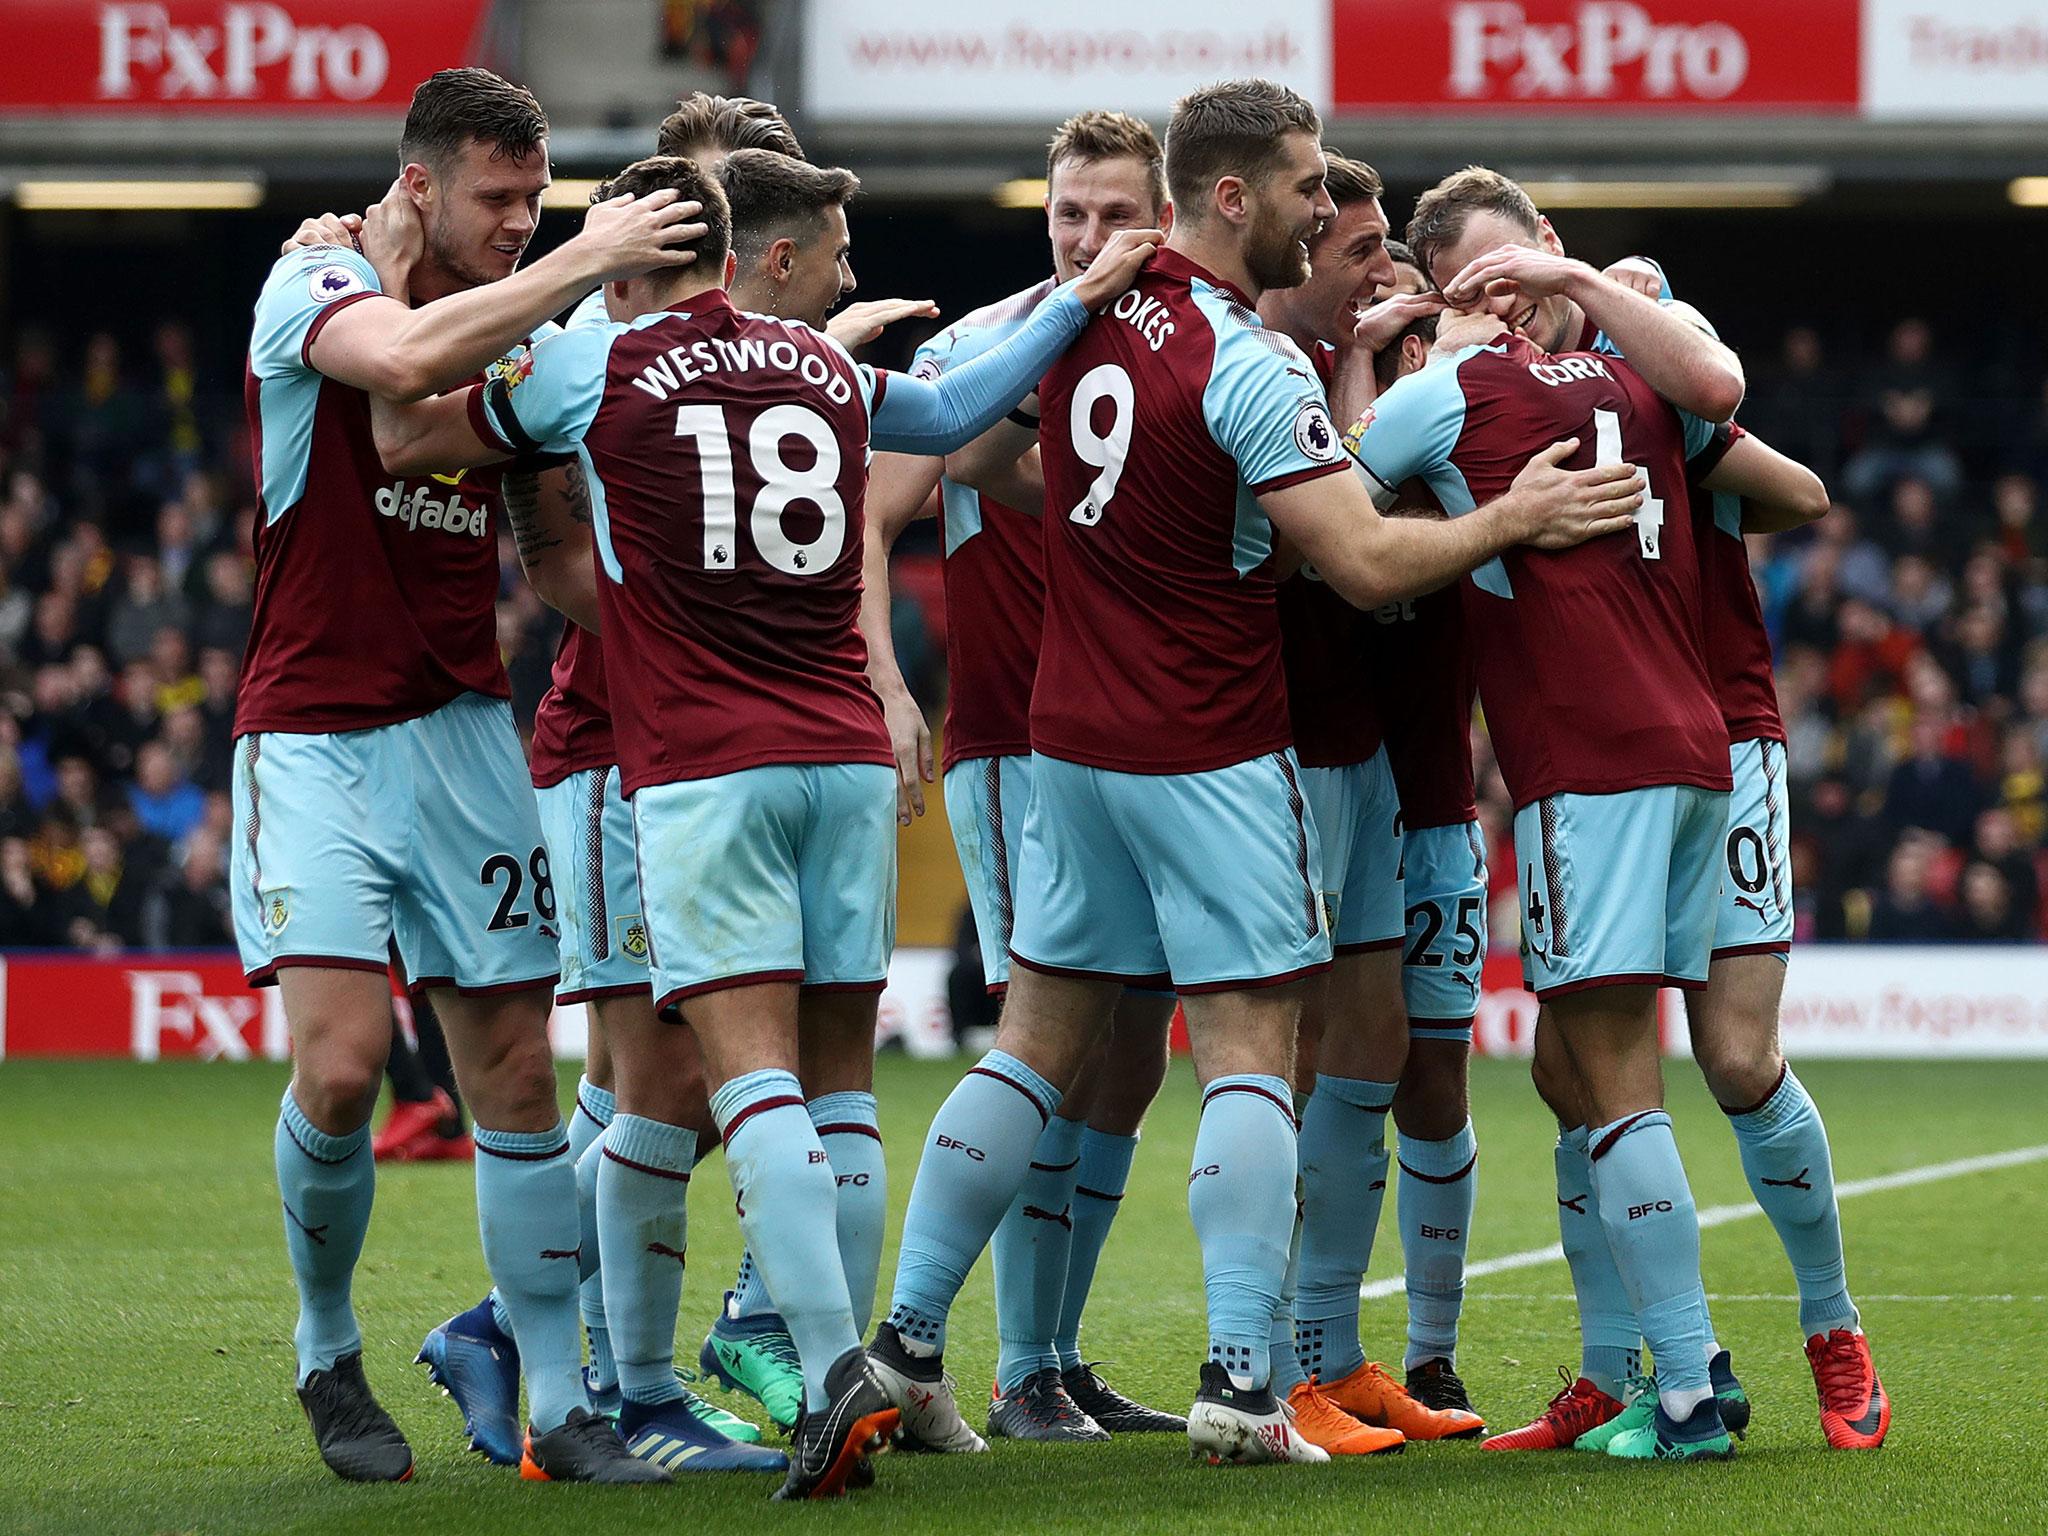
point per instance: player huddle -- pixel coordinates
(1212, 680)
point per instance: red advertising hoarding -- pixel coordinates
(1592, 56)
(195, 57)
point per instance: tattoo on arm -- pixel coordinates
(521, 490)
(578, 492)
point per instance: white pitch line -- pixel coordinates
(1721, 1215)
(1784, 1296)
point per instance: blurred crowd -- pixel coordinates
(1911, 628)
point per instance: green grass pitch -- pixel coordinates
(145, 1321)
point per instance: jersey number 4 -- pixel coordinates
(1607, 450)
(781, 485)
(1105, 451)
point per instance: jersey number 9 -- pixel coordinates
(1107, 451)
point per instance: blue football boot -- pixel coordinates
(474, 1361)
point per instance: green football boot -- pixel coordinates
(1701, 1437)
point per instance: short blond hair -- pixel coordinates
(1110, 136)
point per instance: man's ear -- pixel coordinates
(781, 259)
(419, 181)
(1166, 219)
(1230, 199)
(1548, 236)
(732, 268)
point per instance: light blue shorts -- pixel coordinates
(1358, 814)
(781, 873)
(986, 799)
(1755, 916)
(1443, 878)
(424, 830)
(588, 828)
(1619, 889)
(1213, 879)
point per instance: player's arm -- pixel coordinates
(1370, 559)
(913, 415)
(549, 511)
(1003, 462)
(1666, 343)
(385, 347)
(433, 436)
(900, 486)
(1778, 492)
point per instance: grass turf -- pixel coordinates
(146, 1314)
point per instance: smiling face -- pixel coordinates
(1283, 211)
(820, 271)
(1547, 322)
(1349, 265)
(1087, 201)
(480, 212)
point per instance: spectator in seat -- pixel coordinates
(115, 885)
(1997, 843)
(1990, 913)
(1871, 659)
(189, 906)
(144, 609)
(165, 802)
(1931, 790)
(224, 620)
(1904, 437)
(1906, 913)
(24, 914)
(1920, 595)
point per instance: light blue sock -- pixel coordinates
(974, 1162)
(526, 1209)
(1343, 1182)
(1098, 1193)
(750, 1296)
(1030, 1252)
(1241, 1196)
(1785, 1154)
(1610, 1344)
(851, 1134)
(1285, 1349)
(642, 1189)
(1439, 1182)
(595, 1107)
(788, 1207)
(1653, 1229)
(327, 1183)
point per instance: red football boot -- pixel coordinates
(410, 1124)
(1579, 1407)
(1855, 1414)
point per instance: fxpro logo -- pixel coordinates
(251, 51)
(420, 510)
(1608, 50)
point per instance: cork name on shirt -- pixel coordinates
(420, 510)
(1569, 370)
(680, 366)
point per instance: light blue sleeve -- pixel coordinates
(590, 311)
(1410, 431)
(301, 287)
(1263, 404)
(544, 400)
(934, 416)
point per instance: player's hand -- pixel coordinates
(326, 229)
(858, 324)
(911, 740)
(393, 237)
(1507, 280)
(1378, 326)
(1116, 266)
(1468, 328)
(1638, 275)
(1559, 507)
(628, 236)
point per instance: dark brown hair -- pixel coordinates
(1234, 128)
(775, 197)
(1438, 222)
(1351, 181)
(726, 123)
(454, 106)
(1110, 136)
(692, 185)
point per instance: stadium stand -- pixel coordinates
(1911, 628)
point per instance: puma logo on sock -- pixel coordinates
(317, 1234)
(1576, 1205)
(668, 1253)
(562, 1253)
(1797, 1181)
(1064, 1215)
